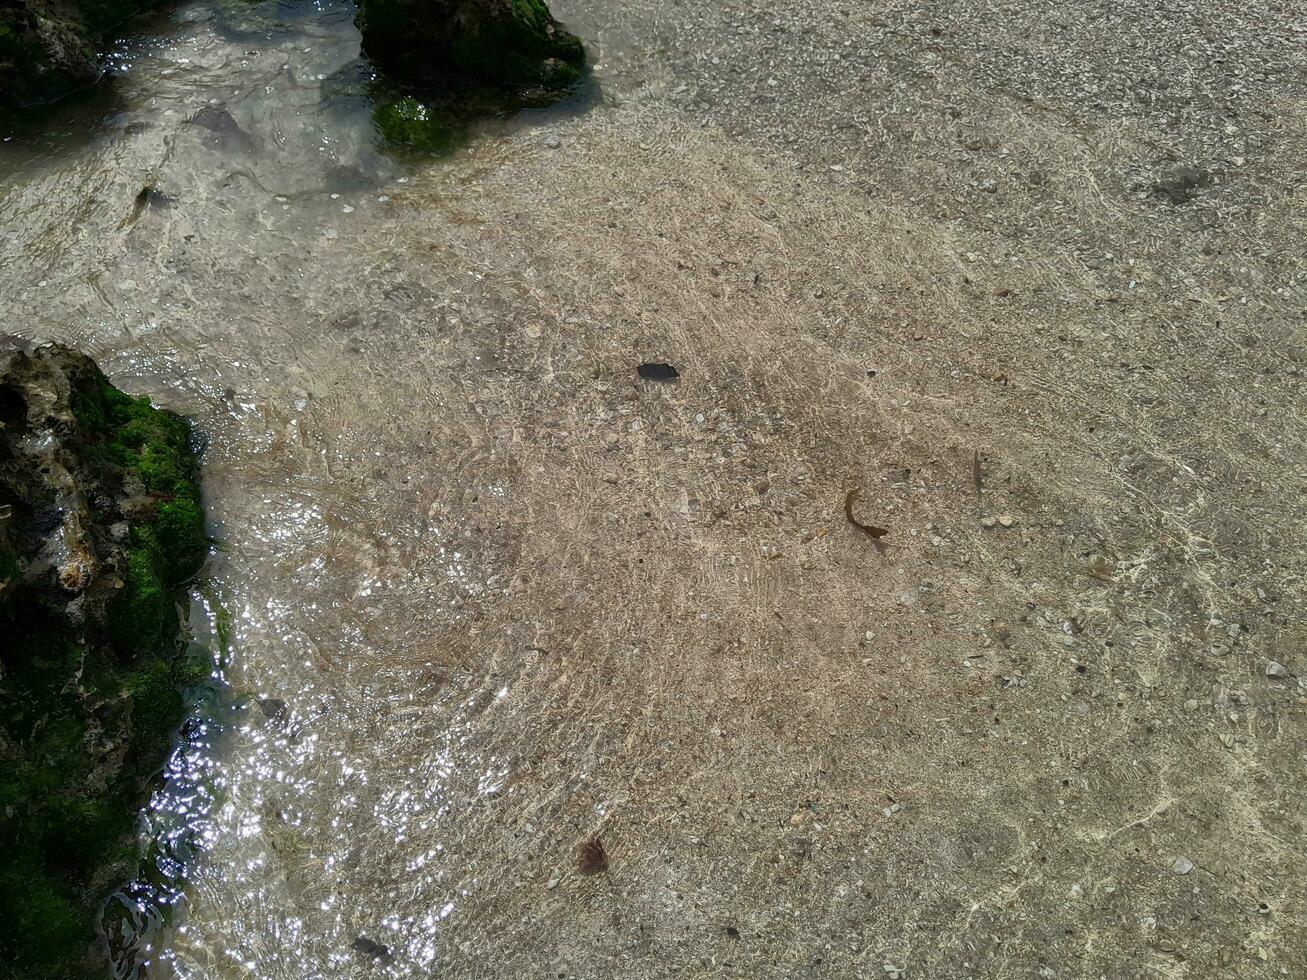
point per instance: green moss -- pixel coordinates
(154, 448)
(139, 616)
(46, 916)
(412, 123)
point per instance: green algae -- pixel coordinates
(88, 712)
(410, 122)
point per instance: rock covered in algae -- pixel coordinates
(100, 526)
(462, 44)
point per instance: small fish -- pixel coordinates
(148, 197)
(138, 208)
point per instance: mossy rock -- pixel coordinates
(102, 526)
(50, 48)
(465, 45)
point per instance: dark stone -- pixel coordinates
(657, 371)
(100, 526)
(370, 949)
(273, 708)
(468, 44)
(593, 858)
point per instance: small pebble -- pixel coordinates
(1007, 520)
(1191, 705)
(1276, 670)
(552, 142)
(1182, 865)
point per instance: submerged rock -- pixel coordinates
(100, 526)
(222, 130)
(468, 44)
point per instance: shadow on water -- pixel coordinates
(46, 132)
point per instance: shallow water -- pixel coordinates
(491, 595)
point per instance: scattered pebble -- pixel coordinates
(552, 142)
(1276, 670)
(657, 371)
(1182, 865)
(593, 858)
(371, 949)
(1007, 520)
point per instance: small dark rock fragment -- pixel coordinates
(657, 371)
(274, 708)
(371, 949)
(733, 932)
(594, 859)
